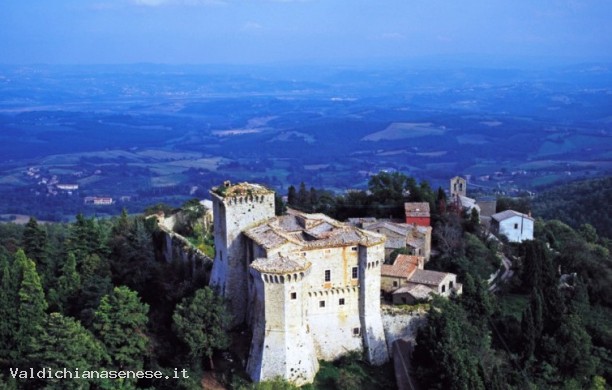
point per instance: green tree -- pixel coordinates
(388, 188)
(528, 332)
(120, 323)
(572, 354)
(66, 343)
(441, 201)
(445, 355)
(303, 197)
(588, 232)
(202, 323)
(9, 286)
(291, 196)
(477, 302)
(69, 282)
(280, 207)
(31, 308)
(35, 246)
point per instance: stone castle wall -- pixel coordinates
(171, 246)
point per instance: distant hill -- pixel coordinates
(578, 203)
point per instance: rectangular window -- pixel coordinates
(293, 295)
(395, 283)
(341, 301)
(356, 331)
(354, 248)
(321, 303)
(327, 275)
(355, 272)
(516, 225)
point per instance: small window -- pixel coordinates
(354, 248)
(450, 284)
(355, 272)
(293, 295)
(327, 275)
(321, 303)
(443, 288)
(356, 331)
(395, 283)
(516, 225)
(341, 301)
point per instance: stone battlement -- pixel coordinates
(246, 191)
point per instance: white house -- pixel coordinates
(517, 227)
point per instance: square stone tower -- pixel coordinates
(235, 208)
(458, 187)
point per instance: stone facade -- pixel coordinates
(458, 187)
(308, 286)
(416, 239)
(408, 282)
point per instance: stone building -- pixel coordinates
(407, 282)
(458, 187)
(307, 286)
(416, 239)
(458, 194)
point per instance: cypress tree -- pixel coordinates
(31, 308)
(303, 197)
(8, 302)
(35, 246)
(291, 196)
(528, 334)
(537, 311)
(69, 282)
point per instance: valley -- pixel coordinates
(144, 134)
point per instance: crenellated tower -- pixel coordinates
(236, 207)
(371, 258)
(281, 344)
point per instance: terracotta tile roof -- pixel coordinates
(432, 278)
(310, 231)
(416, 209)
(403, 267)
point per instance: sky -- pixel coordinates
(301, 31)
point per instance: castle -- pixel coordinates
(307, 285)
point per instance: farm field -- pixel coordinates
(330, 129)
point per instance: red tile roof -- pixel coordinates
(403, 267)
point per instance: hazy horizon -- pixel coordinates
(304, 32)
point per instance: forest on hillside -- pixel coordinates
(96, 294)
(578, 203)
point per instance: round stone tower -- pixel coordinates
(281, 344)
